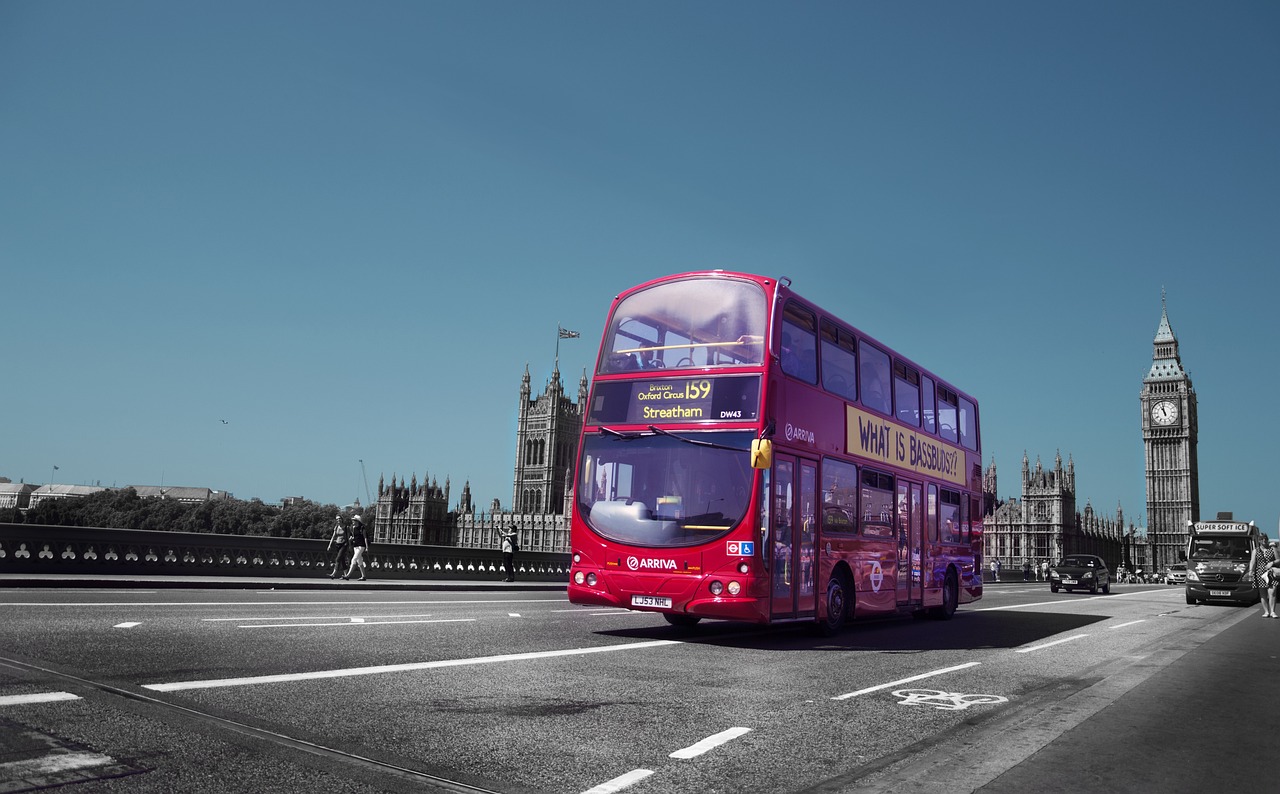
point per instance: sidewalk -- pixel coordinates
(321, 582)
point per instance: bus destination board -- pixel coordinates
(662, 400)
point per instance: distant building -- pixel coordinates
(1170, 434)
(15, 495)
(180, 494)
(63, 492)
(547, 430)
(1045, 525)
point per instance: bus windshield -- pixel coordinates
(695, 322)
(1234, 548)
(664, 489)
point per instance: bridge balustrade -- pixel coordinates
(37, 548)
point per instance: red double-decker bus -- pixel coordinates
(749, 456)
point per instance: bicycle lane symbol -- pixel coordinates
(946, 701)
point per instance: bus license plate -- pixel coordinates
(650, 601)
(1220, 593)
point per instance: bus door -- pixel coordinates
(793, 537)
(910, 526)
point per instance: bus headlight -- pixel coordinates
(716, 588)
(743, 567)
(734, 588)
(577, 558)
(591, 579)
(578, 578)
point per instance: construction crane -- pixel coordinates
(365, 477)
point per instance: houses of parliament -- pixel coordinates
(1043, 523)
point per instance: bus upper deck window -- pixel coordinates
(947, 411)
(874, 373)
(799, 346)
(926, 396)
(906, 393)
(839, 361)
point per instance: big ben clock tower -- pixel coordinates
(1169, 438)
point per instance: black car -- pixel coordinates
(1080, 571)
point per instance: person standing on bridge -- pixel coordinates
(1264, 575)
(338, 545)
(359, 545)
(509, 549)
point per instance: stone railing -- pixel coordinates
(34, 548)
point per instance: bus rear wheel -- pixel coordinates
(839, 597)
(950, 598)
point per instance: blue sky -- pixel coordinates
(346, 228)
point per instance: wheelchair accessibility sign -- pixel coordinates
(742, 548)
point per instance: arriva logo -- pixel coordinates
(649, 564)
(798, 433)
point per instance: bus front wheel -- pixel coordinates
(839, 597)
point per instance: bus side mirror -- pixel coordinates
(761, 453)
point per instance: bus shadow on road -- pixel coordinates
(965, 631)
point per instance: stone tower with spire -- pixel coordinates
(1169, 438)
(547, 430)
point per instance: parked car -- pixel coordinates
(1177, 574)
(1080, 571)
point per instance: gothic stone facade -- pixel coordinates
(547, 430)
(1044, 524)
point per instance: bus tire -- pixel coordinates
(950, 598)
(681, 621)
(839, 601)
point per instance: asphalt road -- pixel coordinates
(362, 690)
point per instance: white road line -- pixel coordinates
(1130, 623)
(620, 782)
(128, 625)
(1051, 644)
(513, 614)
(397, 668)
(309, 617)
(1068, 601)
(226, 604)
(710, 743)
(351, 622)
(906, 680)
(38, 697)
(51, 764)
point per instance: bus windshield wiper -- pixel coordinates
(609, 431)
(696, 442)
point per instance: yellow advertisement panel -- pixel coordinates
(872, 436)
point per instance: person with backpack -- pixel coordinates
(359, 547)
(339, 541)
(509, 549)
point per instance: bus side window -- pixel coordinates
(799, 346)
(933, 513)
(874, 374)
(968, 425)
(949, 513)
(947, 410)
(906, 393)
(839, 496)
(926, 394)
(839, 361)
(877, 504)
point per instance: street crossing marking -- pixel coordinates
(620, 782)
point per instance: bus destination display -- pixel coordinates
(657, 401)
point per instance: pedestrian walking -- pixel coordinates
(1044, 570)
(338, 543)
(1262, 567)
(509, 549)
(359, 547)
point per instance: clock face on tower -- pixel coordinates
(1164, 412)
